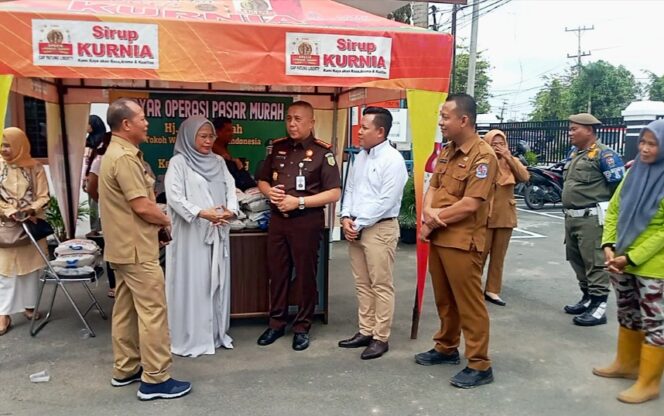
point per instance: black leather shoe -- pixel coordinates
(433, 357)
(595, 315)
(356, 341)
(269, 336)
(300, 341)
(498, 301)
(579, 307)
(469, 378)
(375, 349)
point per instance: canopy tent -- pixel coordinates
(71, 52)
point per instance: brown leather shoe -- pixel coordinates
(356, 341)
(375, 349)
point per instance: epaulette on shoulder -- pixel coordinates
(283, 139)
(323, 144)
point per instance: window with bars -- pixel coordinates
(35, 126)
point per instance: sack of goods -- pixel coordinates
(255, 210)
(237, 225)
(77, 246)
(78, 257)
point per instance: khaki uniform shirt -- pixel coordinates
(310, 158)
(128, 239)
(503, 208)
(590, 176)
(466, 171)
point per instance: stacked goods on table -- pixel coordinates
(77, 257)
(254, 210)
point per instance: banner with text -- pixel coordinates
(95, 44)
(256, 121)
(338, 55)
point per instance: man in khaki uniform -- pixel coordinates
(131, 220)
(456, 211)
(591, 175)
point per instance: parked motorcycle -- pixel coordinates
(545, 186)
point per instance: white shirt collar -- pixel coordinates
(378, 149)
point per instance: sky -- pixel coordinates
(526, 39)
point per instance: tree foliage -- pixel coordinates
(552, 101)
(599, 88)
(482, 78)
(655, 87)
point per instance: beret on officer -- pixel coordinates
(585, 119)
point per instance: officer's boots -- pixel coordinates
(595, 314)
(579, 307)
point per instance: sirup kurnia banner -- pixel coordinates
(95, 44)
(338, 55)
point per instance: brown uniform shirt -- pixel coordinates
(128, 239)
(466, 171)
(310, 158)
(503, 208)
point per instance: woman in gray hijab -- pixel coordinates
(633, 244)
(201, 199)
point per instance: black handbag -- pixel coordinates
(40, 229)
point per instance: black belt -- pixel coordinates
(297, 212)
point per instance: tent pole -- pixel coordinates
(335, 142)
(69, 194)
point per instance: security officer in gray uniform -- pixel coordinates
(592, 173)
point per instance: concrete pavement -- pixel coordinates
(542, 362)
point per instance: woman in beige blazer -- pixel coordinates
(503, 213)
(23, 193)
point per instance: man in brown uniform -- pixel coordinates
(131, 222)
(456, 210)
(300, 177)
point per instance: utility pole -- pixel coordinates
(579, 53)
(455, 9)
(472, 58)
(502, 111)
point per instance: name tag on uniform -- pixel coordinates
(300, 183)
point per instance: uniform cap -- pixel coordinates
(585, 119)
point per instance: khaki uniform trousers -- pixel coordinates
(496, 243)
(583, 247)
(457, 286)
(140, 332)
(372, 261)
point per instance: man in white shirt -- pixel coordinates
(369, 212)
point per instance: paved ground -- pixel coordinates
(542, 362)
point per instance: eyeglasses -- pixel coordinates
(207, 137)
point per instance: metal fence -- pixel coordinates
(549, 140)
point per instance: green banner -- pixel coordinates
(256, 121)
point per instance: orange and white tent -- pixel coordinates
(70, 53)
(254, 42)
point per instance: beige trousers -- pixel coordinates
(497, 241)
(140, 322)
(371, 261)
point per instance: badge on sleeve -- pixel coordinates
(482, 171)
(330, 159)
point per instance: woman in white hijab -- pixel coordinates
(201, 199)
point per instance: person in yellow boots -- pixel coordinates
(633, 243)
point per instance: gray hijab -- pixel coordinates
(208, 166)
(641, 193)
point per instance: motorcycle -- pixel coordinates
(545, 186)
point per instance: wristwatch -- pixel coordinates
(301, 203)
